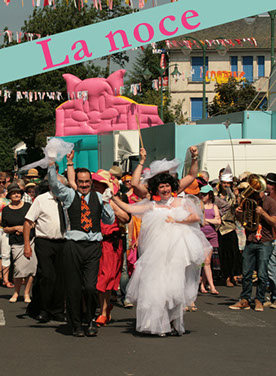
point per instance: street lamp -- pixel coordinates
(147, 75)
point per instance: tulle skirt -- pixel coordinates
(167, 273)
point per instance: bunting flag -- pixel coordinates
(79, 4)
(211, 42)
(20, 35)
(32, 95)
(163, 64)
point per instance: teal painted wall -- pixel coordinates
(171, 141)
(257, 124)
(86, 152)
(273, 125)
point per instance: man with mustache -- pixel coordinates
(82, 250)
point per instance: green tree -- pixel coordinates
(233, 96)
(146, 59)
(32, 122)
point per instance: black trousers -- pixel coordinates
(81, 266)
(50, 280)
(229, 254)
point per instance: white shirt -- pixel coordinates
(44, 212)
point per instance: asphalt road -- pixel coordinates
(218, 341)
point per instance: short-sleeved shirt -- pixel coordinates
(15, 217)
(44, 211)
(269, 206)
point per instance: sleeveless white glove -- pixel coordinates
(107, 195)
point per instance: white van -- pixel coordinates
(254, 155)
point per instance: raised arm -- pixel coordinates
(139, 189)
(70, 170)
(65, 194)
(131, 209)
(188, 179)
(121, 214)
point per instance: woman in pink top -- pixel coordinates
(212, 218)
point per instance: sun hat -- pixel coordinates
(243, 185)
(29, 185)
(103, 176)
(116, 171)
(244, 175)
(206, 189)
(14, 187)
(32, 173)
(193, 188)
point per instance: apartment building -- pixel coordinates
(239, 48)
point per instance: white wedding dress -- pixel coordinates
(166, 275)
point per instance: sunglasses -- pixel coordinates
(2, 181)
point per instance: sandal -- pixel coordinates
(101, 321)
(192, 308)
(13, 299)
(27, 299)
(214, 292)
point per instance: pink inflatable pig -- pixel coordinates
(95, 107)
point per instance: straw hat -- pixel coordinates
(244, 175)
(29, 185)
(32, 173)
(103, 176)
(116, 171)
(243, 185)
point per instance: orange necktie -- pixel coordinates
(86, 221)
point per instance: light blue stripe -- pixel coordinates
(27, 59)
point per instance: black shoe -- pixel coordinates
(92, 329)
(60, 317)
(175, 333)
(43, 317)
(78, 332)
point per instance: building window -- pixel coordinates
(197, 68)
(196, 108)
(247, 62)
(234, 64)
(261, 61)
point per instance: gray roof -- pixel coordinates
(260, 29)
